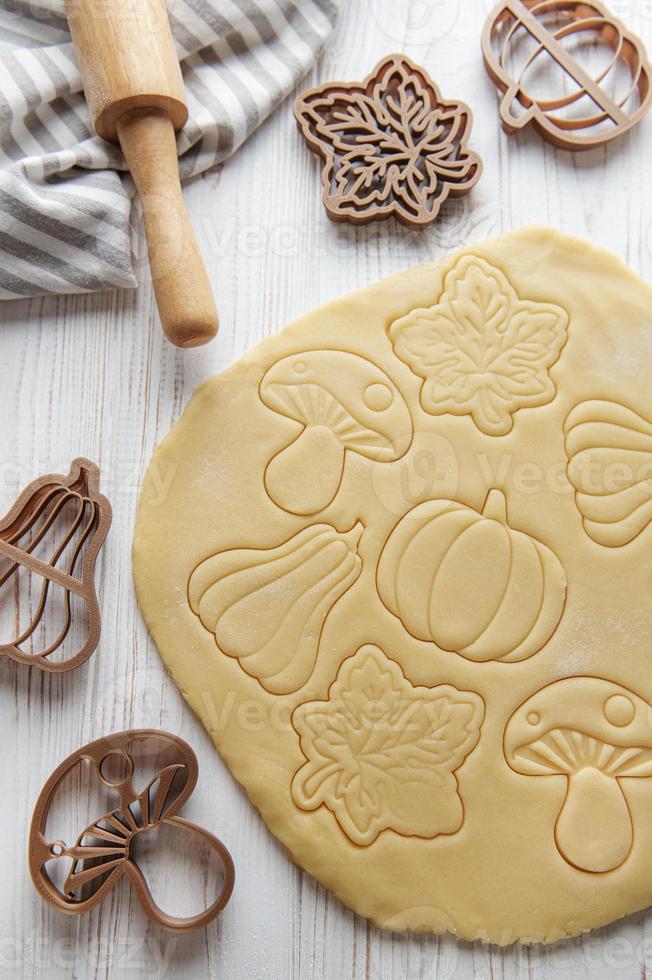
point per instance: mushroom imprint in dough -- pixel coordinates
(597, 734)
(343, 403)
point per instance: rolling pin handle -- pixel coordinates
(183, 292)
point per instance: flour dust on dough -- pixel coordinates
(402, 571)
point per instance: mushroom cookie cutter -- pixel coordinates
(54, 533)
(599, 735)
(391, 145)
(103, 852)
(591, 108)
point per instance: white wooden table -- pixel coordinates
(93, 375)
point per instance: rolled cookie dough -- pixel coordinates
(402, 571)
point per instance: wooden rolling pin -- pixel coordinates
(135, 91)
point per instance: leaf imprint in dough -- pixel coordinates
(381, 754)
(482, 350)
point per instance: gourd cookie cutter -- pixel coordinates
(70, 566)
(391, 145)
(102, 853)
(549, 25)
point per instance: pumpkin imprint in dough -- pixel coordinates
(381, 754)
(470, 583)
(609, 450)
(344, 403)
(482, 350)
(598, 735)
(267, 608)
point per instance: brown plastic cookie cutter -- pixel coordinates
(70, 515)
(391, 146)
(103, 851)
(588, 112)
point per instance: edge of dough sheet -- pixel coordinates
(413, 279)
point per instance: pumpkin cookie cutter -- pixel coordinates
(70, 567)
(550, 24)
(103, 852)
(391, 145)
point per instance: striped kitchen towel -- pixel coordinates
(64, 206)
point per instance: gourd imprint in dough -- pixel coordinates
(482, 350)
(609, 450)
(267, 608)
(596, 733)
(470, 583)
(381, 754)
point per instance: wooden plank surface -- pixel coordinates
(94, 376)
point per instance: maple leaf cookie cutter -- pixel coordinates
(391, 145)
(591, 109)
(71, 515)
(103, 852)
